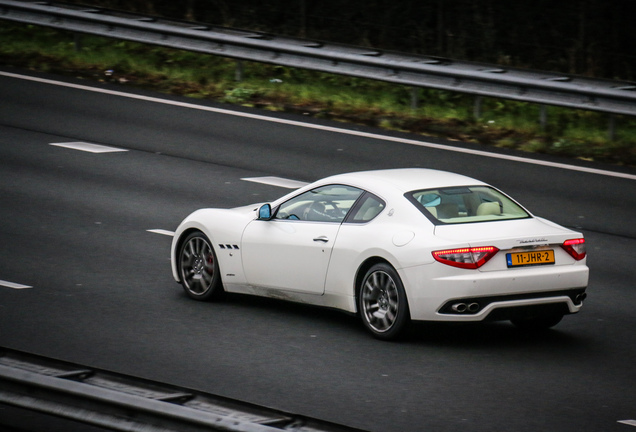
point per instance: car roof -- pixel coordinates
(403, 179)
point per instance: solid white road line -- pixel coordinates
(89, 147)
(324, 128)
(13, 285)
(277, 181)
(628, 422)
(162, 232)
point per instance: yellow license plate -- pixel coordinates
(519, 259)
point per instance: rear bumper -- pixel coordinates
(492, 295)
(506, 309)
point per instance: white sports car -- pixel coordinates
(391, 246)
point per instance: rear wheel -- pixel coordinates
(382, 302)
(198, 268)
(537, 323)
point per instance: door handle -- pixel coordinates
(323, 239)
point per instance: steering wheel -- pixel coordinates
(315, 209)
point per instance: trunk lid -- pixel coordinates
(512, 237)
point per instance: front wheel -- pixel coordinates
(198, 268)
(382, 302)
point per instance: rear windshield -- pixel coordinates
(465, 204)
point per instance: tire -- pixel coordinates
(198, 268)
(538, 323)
(382, 302)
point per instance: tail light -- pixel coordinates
(575, 247)
(468, 258)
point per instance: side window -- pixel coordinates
(368, 208)
(324, 204)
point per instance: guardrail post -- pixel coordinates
(238, 72)
(543, 116)
(303, 19)
(415, 97)
(77, 40)
(477, 107)
(612, 127)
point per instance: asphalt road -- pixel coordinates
(74, 227)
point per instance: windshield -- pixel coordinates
(465, 204)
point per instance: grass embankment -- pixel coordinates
(571, 133)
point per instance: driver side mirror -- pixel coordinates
(265, 212)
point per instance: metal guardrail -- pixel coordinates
(124, 403)
(547, 88)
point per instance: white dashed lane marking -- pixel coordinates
(89, 147)
(13, 285)
(276, 181)
(162, 232)
(628, 422)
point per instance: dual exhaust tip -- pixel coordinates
(466, 308)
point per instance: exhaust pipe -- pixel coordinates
(459, 307)
(473, 307)
(579, 298)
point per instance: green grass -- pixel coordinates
(505, 124)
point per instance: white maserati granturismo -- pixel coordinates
(391, 246)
